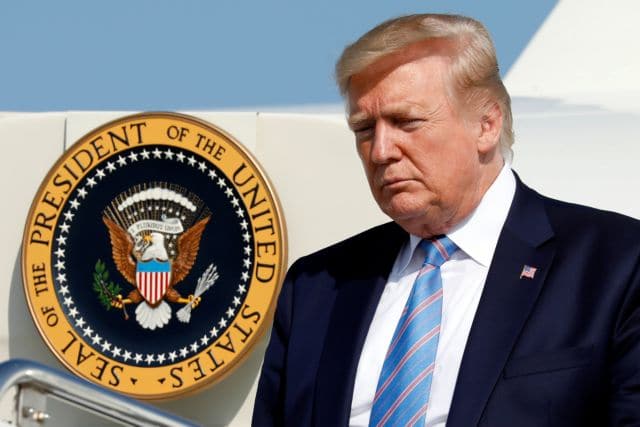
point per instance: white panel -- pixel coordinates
(590, 158)
(31, 143)
(81, 122)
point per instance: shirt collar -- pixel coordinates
(478, 234)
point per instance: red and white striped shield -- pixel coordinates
(153, 278)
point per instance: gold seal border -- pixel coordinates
(242, 355)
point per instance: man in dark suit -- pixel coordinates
(483, 303)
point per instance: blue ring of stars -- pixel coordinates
(73, 314)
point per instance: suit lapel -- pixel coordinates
(507, 299)
(356, 300)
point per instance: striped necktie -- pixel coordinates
(402, 395)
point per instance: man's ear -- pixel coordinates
(490, 127)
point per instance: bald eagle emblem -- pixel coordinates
(155, 232)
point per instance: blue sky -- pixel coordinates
(177, 55)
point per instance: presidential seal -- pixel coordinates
(153, 255)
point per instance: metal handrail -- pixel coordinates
(83, 394)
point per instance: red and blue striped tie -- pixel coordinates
(402, 395)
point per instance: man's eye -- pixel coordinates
(410, 123)
(363, 132)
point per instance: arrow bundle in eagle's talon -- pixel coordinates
(206, 280)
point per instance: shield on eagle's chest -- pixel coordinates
(153, 278)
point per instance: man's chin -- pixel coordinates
(419, 221)
(403, 213)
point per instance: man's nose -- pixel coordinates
(384, 148)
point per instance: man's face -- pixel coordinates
(420, 155)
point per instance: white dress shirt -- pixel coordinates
(463, 278)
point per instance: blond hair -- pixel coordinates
(474, 68)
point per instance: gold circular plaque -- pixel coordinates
(153, 254)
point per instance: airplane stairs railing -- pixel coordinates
(36, 385)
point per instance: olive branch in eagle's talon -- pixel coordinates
(108, 292)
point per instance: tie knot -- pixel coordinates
(438, 250)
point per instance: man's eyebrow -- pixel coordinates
(406, 109)
(358, 119)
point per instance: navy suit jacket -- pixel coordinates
(559, 349)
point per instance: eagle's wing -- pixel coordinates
(122, 250)
(188, 246)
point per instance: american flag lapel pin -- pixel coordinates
(528, 272)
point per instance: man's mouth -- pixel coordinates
(394, 182)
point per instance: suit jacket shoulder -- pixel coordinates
(565, 339)
(349, 257)
(570, 219)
